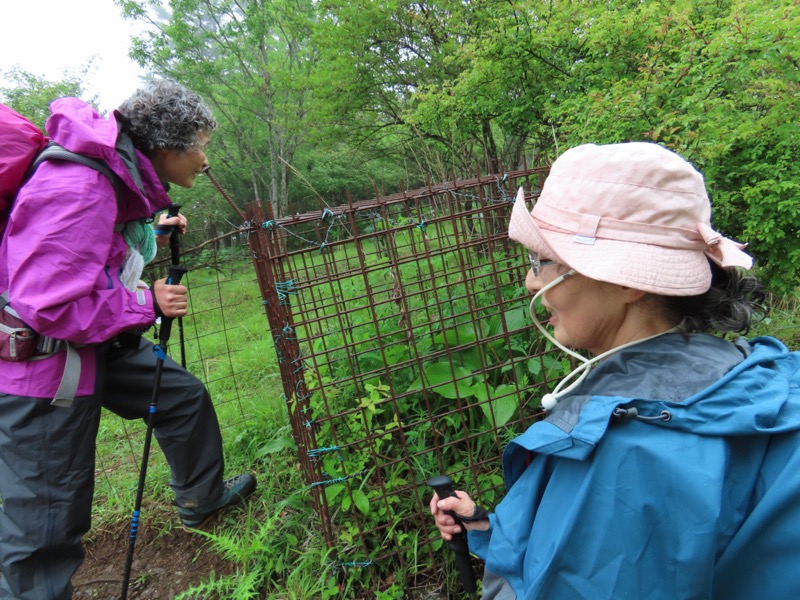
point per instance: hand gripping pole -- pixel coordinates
(444, 489)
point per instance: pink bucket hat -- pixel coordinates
(634, 214)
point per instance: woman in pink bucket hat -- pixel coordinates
(668, 462)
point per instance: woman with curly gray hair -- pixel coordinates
(80, 292)
(172, 126)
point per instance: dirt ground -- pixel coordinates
(163, 565)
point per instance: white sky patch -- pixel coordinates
(50, 37)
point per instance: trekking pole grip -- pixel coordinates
(176, 272)
(443, 486)
(174, 240)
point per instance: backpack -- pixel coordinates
(23, 147)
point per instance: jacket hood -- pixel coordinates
(78, 127)
(696, 383)
(758, 396)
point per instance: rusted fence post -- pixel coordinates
(267, 246)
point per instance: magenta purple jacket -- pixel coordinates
(61, 256)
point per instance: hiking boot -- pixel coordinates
(234, 490)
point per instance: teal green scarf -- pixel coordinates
(140, 236)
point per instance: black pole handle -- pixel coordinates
(174, 239)
(173, 278)
(175, 254)
(443, 486)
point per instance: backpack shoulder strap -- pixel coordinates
(55, 152)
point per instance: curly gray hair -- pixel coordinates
(165, 114)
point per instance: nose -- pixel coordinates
(532, 282)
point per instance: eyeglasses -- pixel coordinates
(537, 265)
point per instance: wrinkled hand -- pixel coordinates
(172, 299)
(462, 505)
(164, 220)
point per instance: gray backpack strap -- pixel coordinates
(55, 152)
(65, 393)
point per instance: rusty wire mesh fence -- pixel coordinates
(400, 338)
(406, 350)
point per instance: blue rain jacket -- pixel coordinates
(672, 472)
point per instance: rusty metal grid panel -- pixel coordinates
(406, 350)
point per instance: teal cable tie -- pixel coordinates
(284, 290)
(337, 564)
(321, 247)
(326, 213)
(327, 482)
(278, 352)
(268, 224)
(421, 226)
(314, 452)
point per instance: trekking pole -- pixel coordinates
(175, 253)
(160, 349)
(444, 489)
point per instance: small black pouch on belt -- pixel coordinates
(125, 341)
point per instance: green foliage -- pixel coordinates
(718, 83)
(317, 99)
(31, 95)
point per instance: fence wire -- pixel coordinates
(222, 293)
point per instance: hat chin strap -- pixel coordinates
(550, 399)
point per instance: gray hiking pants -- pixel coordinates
(47, 462)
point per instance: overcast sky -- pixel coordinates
(49, 37)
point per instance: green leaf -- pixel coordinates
(480, 391)
(276, 445)
(440, 378)
(534, 366)
(361, 500)
(503, 404)
(463, 334)
(470, 360)
(516, 318)
(332, 491)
